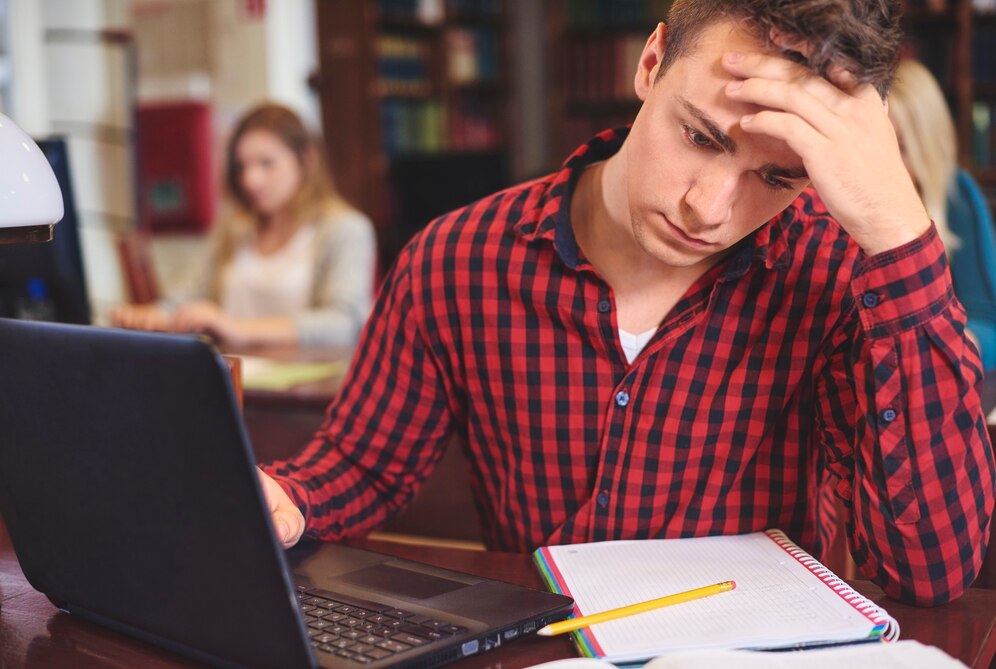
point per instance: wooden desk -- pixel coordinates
(34, 634)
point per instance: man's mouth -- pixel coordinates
(683, 236)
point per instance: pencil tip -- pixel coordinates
(545, 631)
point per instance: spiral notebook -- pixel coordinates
(784, 597)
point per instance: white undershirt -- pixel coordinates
(633, 343)
(277, 284)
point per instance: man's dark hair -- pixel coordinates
(862, 36)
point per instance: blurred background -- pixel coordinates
(424, 105)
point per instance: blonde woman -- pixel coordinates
(927, 138)
(291, 262)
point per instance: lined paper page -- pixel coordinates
(899, 655)
(777, 601)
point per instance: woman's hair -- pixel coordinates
(922, 119)
(316, 191)
(863, 36)
(315, 197)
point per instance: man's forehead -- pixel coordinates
(727, 35)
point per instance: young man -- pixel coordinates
(670, 337)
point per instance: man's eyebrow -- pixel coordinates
(730, 146)
(724, 140)
(784, 172)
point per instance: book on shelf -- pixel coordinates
(585, 14)
(402, 66)
(984, 54)
(478, 9)
(931, 6)
(601, 69)
(411, 126)
(473, 126)
(982, 134)
(472, 55)
(428, 12)
(433, 12)
(934, 53)
(784, 598)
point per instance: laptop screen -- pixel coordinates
(130, 494)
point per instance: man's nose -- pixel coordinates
(712, 195)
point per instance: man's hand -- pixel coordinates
(842, 132)
(287, 519)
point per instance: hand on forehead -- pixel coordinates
(800, 51)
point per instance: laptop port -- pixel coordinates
(510, 633)
(492, 641)
(470, 648)
(528, 628)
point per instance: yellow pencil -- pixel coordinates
(584, 621)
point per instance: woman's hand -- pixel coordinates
(140, 317)
(207, 317)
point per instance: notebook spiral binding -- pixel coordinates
(889, 625)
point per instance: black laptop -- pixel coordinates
(129, 491)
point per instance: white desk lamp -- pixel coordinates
(30, 197)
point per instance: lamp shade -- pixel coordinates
(29, 192)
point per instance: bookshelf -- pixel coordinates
(981, 134)
(601, 44)
(413, 96)
(956, 39)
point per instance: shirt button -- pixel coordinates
(889, 415)
(869, 300)
(622, 398)
(604, 306)
(603, 499)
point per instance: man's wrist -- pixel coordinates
(885, 237)
(902, 288)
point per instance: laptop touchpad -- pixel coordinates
(403, 582)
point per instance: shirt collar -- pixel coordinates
(551, 219)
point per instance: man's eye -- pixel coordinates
(697, 138)
(774, 182)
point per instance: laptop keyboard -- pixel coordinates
(365, 631)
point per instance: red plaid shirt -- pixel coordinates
(794, 361)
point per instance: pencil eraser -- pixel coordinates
(733, 585)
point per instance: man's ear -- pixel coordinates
(650, 60)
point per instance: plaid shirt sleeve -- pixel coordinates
(391, 425)
(903, 429)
